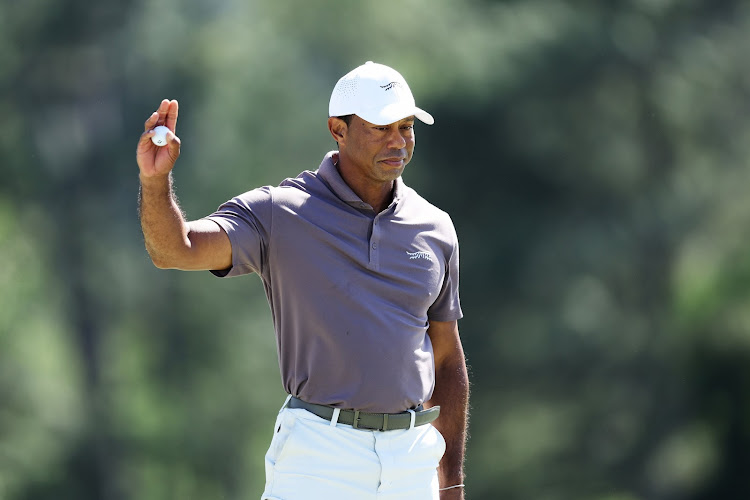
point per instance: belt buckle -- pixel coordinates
(355, 423)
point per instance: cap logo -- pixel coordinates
(389, 86)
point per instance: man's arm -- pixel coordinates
(452, 395)
(171, 241)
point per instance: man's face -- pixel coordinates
(378, 152)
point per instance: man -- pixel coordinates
(361, 274)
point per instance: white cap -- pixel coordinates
(377, 94)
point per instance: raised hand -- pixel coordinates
(153, 160)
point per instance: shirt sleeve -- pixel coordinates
(247, 221)
(447, 306)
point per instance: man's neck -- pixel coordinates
(376, 194)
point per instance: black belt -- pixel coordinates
(369, 421)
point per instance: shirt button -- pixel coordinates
(374, 246)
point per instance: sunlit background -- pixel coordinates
(593, 156)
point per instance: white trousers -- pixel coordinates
(311, 459)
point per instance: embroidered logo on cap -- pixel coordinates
(389, 86)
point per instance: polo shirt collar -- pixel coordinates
(330, 174)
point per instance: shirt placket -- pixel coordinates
(374, 243)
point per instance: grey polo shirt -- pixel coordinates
(351, 291)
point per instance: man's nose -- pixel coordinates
(396, 139)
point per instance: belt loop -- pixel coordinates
(286, 402)
(355, 423)
(413, 415)
(385, 421)
(335, 417)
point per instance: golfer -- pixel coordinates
(361, 274)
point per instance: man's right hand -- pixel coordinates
(171, 241)
(158, 161)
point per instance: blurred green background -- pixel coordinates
(593, 155)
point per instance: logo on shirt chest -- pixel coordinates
(419, 255)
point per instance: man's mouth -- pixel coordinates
(394, 162)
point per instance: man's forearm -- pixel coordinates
(452, 395)
(163, 224)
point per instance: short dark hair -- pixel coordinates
(347, 119)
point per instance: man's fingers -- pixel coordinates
(172, 112)
(151, 122)
(144, 142)
(173, 146)
(163, 107)
(166, 115)
(162, 112)
(172, 140)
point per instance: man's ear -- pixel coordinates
(338, 129)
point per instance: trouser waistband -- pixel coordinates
(369, 421)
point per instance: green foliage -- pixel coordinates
(593, 156)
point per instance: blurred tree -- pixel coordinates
(592, 155)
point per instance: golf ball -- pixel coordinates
(160, 135)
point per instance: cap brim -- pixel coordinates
(393, 113)
(424, 116)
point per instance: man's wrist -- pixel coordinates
(450, 476)
(453, 487)
(155, 180)
(156, 184)
(452, 494)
